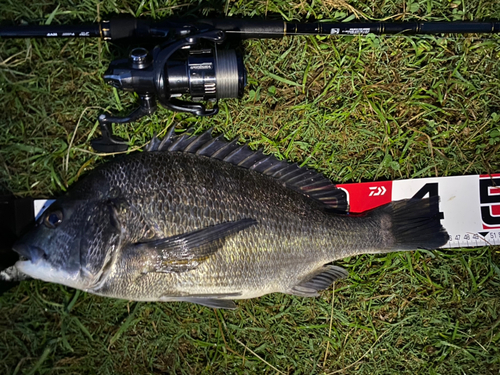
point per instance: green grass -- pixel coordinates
(359, 109)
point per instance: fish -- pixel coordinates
(198, 219)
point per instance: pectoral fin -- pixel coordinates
(187, 251)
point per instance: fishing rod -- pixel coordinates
(190, 59)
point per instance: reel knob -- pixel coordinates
(140, 58)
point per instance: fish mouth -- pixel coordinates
(34, 262)
(29, 253)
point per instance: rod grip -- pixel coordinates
(119, 28)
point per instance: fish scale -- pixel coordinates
(214, 221)
(276, 226)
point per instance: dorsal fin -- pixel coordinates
(300, 179)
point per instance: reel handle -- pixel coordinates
(108, 142)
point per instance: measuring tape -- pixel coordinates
(470, 205)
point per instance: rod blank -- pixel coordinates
(121, 28)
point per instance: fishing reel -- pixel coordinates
(169, 72)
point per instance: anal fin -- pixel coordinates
(216, 301)
(318, 280)
(210, 302)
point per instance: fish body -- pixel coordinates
(200, 220)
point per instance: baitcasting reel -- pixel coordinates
(169, 72)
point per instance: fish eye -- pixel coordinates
(53, 219)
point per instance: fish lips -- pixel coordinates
(34, 262)
(30, 252)
(30, 258)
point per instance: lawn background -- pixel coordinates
(354, 108)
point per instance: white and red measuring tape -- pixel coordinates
(470, 204)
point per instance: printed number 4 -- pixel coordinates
(432, 190)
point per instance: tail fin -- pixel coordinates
(413, 223)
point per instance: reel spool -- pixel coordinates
(169, 72)
(206, 75)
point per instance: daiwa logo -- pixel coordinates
(489, 198)
(377, 190)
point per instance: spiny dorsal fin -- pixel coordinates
(300, 179)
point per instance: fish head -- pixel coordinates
(70, 243)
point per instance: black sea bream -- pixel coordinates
(201, 220)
